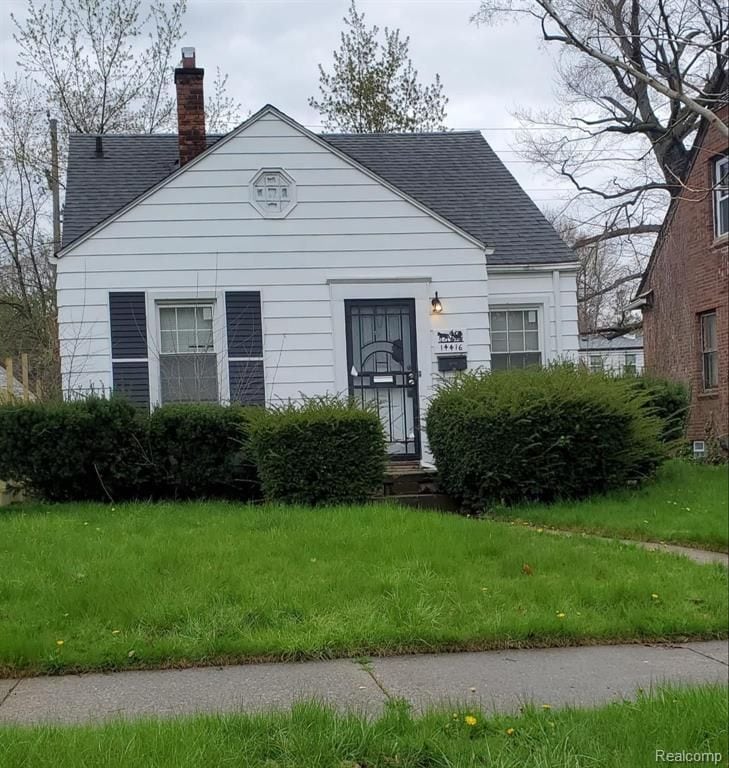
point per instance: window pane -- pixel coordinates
(711, 380)
(532, 341)
(498, 321)
(499, 362)
(722, 225)
(188, 378)
(708, 332)
(498, 342)
(187, 341)
(516, 341)
(186, 318)
(167, 318)
(168, 342)
(516, 320)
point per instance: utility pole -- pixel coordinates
(53, 182)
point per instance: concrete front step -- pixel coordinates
(438, 501)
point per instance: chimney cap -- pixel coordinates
(188, 56)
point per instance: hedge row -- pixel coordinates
(540, 434)
(324, 451)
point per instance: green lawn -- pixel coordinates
(687, 503)
(99, 587)
(621, 735)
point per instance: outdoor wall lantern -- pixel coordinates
(435, 303)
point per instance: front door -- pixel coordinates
(383, 368)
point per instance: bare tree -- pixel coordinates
(27, 296)
(634, 78)
(103, 63)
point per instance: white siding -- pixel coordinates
(554, 293)
(199, 235)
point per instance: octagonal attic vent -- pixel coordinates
(273, 193)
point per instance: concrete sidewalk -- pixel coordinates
(495, 680)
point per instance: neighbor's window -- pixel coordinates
(721, 196)
(188, 365)
(597, 363)
(514, 338)
(708, 350)
(630, 362)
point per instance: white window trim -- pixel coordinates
(720, 194)
(704, 352)
(220, 337)
(527, 307)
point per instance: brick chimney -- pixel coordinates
(190, 107)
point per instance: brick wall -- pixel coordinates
(190, 108)
(690, 275)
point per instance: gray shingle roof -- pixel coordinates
(455, 174)
(596, 342)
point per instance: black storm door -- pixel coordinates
(383, 367)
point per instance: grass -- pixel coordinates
(141, 585)
(687, 503)
(628, 733)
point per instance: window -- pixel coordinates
(708, 350)
(273, 193)
(514, 338)
(188, 364)
(721, 196)
(630, 362)
(597, 363)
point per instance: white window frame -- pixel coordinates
(713, 351)
(539, 308)
(596, 357)
(721, 192)
(155, 300)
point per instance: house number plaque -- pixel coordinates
(450, 342)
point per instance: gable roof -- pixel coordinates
(456, 175)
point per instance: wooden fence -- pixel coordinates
(13, 388)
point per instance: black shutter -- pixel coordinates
(245, 341)
(128, 325)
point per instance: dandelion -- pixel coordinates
(654, 596)
(546, 706)
(60, 642)
(455, 716)
(470, 720)
(510, 731)
(560, 615)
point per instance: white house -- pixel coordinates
(273, 262)
(622, 354)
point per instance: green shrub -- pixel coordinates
(669, 400)
(539, 434)
(324, 451)
(201, 450)
(88, 449)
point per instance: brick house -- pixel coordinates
(683, 294)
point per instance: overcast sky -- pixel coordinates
(271, 48)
